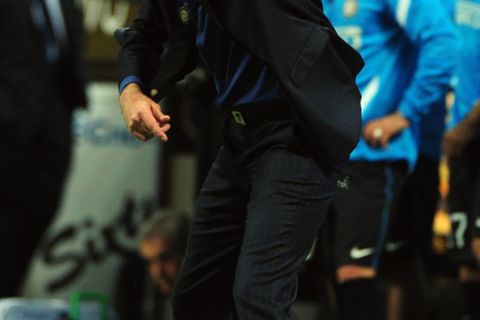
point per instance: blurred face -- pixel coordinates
(161, 262)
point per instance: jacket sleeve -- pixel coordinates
(143, 44)
(430, 27)
(159, 48)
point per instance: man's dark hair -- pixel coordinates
(174, 226)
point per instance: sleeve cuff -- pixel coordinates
(130, 79)
(408, 113)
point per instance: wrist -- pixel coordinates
(404, 121)
(130, 90)
(130, 96)
(408, 111)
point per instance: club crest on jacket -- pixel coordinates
(184, 14)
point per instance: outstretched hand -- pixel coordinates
(142, 115)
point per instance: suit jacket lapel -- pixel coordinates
(57, 20)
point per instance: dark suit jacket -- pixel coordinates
(315, 67)
(26, 81)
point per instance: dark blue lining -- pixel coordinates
(385, 216)
(240, 77)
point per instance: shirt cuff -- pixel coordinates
(127, 80)
(407, 112)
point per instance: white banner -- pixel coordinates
(110, 189)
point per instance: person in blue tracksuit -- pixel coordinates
(413, 225)
(462, 148)
(409, 47)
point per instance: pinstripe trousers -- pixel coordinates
(257, 215)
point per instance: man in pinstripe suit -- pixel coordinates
(268, 190)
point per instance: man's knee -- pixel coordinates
(266, 291)
(476, 249)
(351, 272)
(242, 295)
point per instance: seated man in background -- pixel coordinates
(161, 245)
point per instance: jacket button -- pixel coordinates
(153, 92)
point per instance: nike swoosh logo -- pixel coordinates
(394, 246)
(357, 253)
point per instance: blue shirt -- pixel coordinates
(432, 125)
(467, 90)
(240, 78)
(409, 47)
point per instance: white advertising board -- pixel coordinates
(110, 189)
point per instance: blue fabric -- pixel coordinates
(409, 48)
(432, 128)
(388, 191)
(468, 76)
(41, 21)
(432, 125)
(240, 78)
(130, 79)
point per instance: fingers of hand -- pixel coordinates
(140, 136)
(159, 123)
(381, 136)
(158, 115)
(160, 131)
(144, 120)
(166, 127)
(140, 130)
(148, 126)
(374, 135)
(378, 136)
(384, 140)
